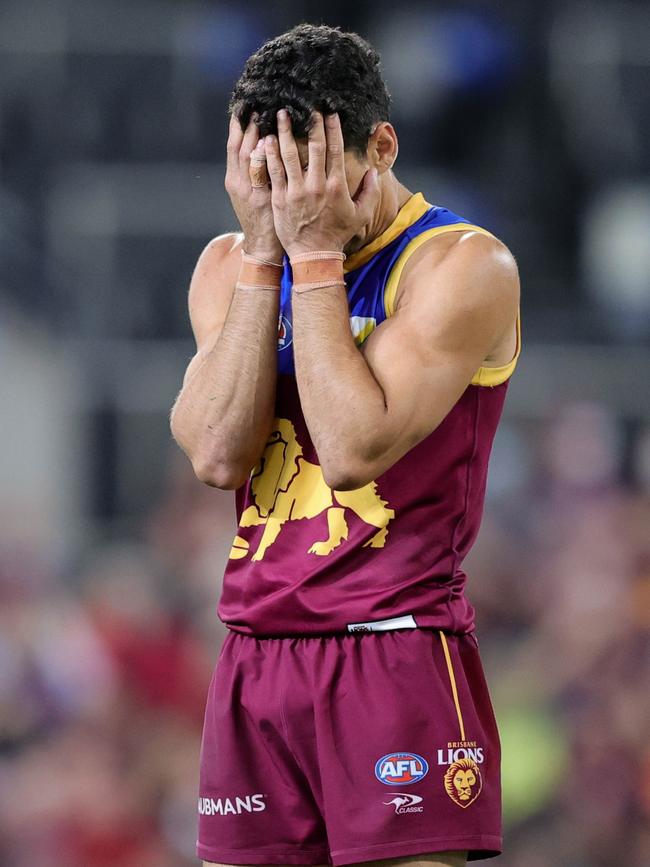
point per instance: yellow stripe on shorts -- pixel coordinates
(452, 681)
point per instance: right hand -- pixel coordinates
(252, 205)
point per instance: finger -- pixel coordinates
(258, 172)
(316, 147)
(367, 195)
(274, 164)
(289, 149)
(235, 137)
(335, 148)
(251, 137)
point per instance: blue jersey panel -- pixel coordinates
(365, 284)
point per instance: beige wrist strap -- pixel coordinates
(257, 273)
(299, 288)
(317, 270)
(317, 255)
(255, 260)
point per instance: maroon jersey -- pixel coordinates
(308, 559)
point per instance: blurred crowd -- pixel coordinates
(529, 118)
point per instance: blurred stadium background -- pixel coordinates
(530, 118)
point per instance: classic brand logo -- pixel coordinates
(401, 769)
(236, 805)
(406, 803)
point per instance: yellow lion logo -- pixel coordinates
(286, 487)
(463, 782)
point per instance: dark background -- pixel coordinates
(531, 119)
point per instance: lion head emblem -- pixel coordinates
(463, 782)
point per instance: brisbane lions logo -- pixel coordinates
(463, 782)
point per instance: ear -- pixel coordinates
(383, 147)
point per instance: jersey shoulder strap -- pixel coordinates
(485, 375)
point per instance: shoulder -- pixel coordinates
(213, 283)
(459, 291)
(465, 267)
(221, 251)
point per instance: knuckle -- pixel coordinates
(317, 148)
(335, 149)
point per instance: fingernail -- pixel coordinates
(282, 114)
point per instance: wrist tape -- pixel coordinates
(257, 273)
(316, 270)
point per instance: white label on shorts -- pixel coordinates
(406, 622)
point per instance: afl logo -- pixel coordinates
(284, 333)
(401, 769)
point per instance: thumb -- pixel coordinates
(368, 193)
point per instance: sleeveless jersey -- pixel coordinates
(308, 559)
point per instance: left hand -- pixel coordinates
(314, 211)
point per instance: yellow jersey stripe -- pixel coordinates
(485, 375)
(409, 213)
(392, 283)
(452, 681)
(496, 375)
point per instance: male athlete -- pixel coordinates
(354, 345)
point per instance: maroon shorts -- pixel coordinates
(347, 748)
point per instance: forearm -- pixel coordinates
(224, 412)
(343, 404)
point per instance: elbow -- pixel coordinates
(353, 468)
(209, 468)
(341, 477)
(218, 474)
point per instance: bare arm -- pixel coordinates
(366, 408)
(223, 414)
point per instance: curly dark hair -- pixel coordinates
(314, 67)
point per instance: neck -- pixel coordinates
(392, 196)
